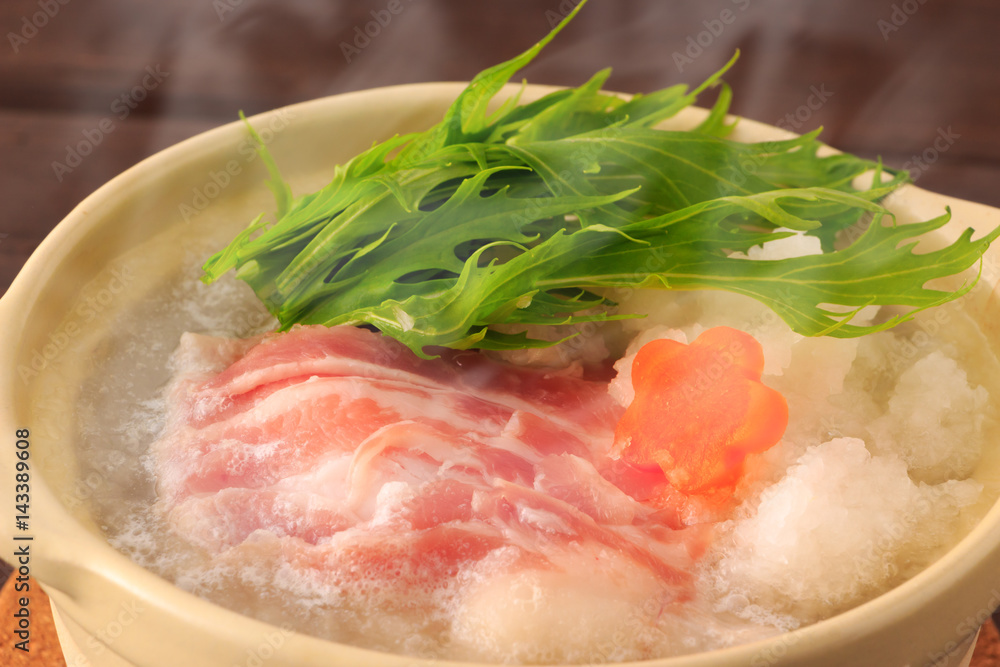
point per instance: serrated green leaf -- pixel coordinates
(523, 215)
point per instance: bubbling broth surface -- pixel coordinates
(875, 478)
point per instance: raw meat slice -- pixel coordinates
(373, 469)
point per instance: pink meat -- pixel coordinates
(362, 458)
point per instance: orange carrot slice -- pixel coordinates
(700, 409)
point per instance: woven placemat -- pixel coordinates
(43, 646)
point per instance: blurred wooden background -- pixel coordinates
(122, 79)
(90, 87)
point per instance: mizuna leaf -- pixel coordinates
(524, 215)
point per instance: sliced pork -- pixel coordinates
(412, 488)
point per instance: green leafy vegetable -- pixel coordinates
(525, 215)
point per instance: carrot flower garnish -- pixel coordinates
(700, 409)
